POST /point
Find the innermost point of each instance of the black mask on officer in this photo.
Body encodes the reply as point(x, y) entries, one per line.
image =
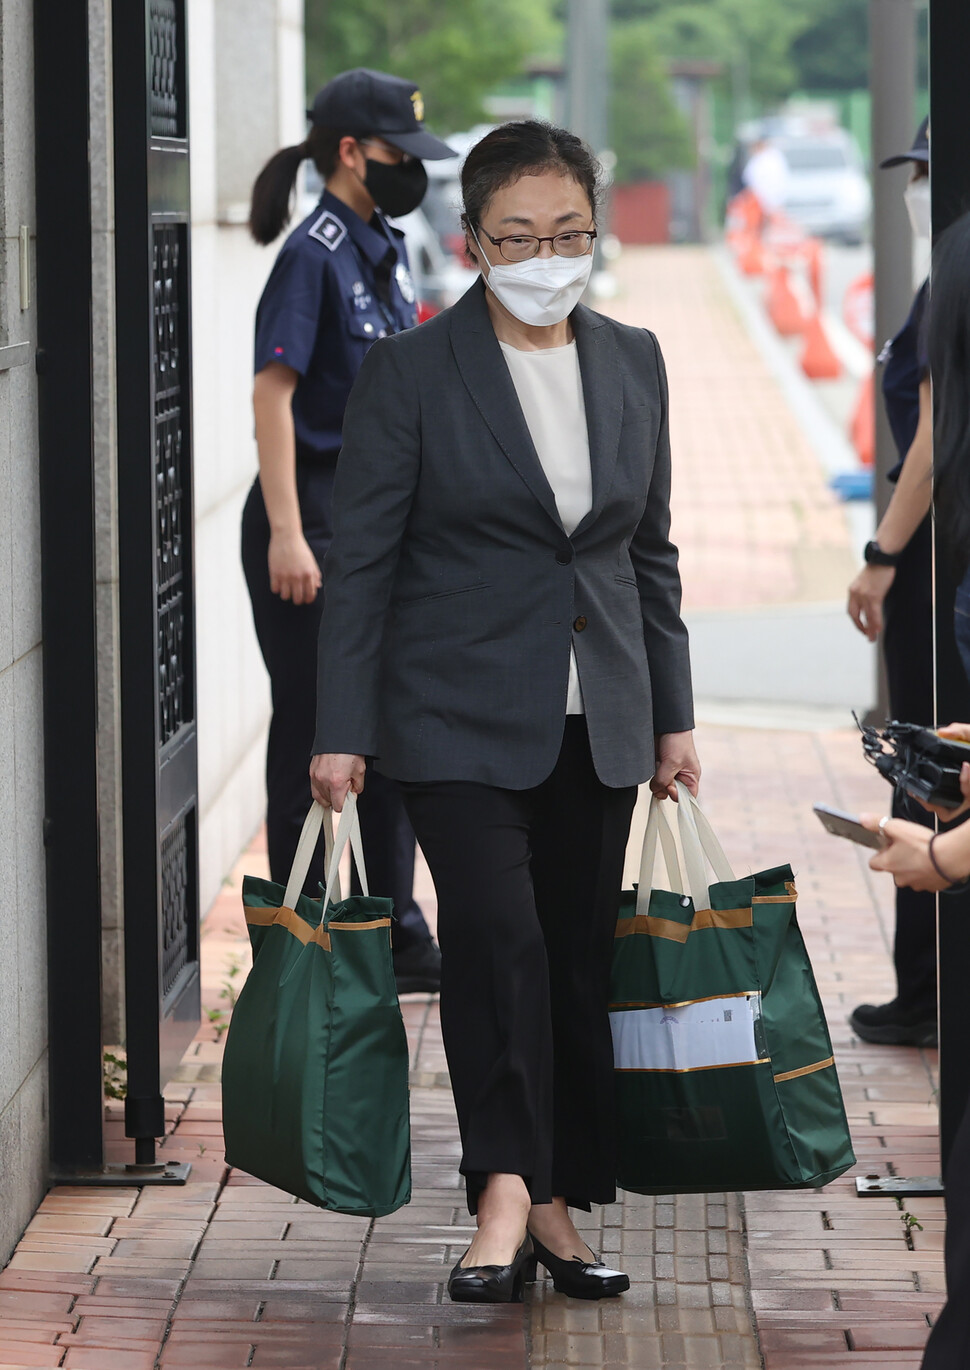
point(396, 188)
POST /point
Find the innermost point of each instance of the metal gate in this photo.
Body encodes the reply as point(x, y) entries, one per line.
point(156, 609)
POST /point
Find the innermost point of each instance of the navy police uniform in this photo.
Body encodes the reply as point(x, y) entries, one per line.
point(908, 647)
point(337, 286)
point(908, 652)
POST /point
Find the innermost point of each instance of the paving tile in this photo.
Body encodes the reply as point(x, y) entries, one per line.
point(27, 1357)
point(97, 1358)
point(23, 1259)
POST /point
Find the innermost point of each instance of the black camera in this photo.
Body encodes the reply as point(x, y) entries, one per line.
point(918, 761)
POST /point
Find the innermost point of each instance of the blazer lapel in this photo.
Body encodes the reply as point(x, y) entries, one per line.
point(488, 381)
point(603, 398)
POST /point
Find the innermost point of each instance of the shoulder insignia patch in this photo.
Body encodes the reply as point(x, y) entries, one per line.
point(328, 230)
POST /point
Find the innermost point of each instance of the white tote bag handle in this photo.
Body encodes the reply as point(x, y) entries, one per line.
point(304, 853)
point(306, 846)
point(701, 848)
point(657, 826)
point(348, 830)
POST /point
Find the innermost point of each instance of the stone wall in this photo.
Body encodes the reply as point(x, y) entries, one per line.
point(246, 100)
point(23, 967)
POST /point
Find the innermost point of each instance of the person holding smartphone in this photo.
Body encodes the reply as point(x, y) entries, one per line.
point(919, 859)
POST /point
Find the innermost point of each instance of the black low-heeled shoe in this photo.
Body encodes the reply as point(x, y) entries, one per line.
point(576, 1278)
point(491, 1283)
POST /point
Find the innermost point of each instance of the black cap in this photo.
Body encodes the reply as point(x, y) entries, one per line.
point(919, 152)
point(359, 102)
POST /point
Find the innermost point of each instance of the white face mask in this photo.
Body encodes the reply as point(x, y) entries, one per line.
point(541, 291)
point(917, 197)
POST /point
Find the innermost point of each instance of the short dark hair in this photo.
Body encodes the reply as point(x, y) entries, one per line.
point(524, 148)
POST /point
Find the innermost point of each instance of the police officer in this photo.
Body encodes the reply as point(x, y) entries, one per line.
point(894, 595)
point(340, 282)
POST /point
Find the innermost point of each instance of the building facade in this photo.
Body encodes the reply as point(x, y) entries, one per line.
point(243, 96)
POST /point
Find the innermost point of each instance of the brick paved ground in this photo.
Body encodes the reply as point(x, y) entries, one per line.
point(753, 516)
point(228, 1272)
point(836, 1281)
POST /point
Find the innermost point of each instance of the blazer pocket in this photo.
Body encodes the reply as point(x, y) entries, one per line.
point(441, 594)
point(636, 413)
point(626, 580)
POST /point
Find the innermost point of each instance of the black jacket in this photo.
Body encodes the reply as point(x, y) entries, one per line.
point(453, 593)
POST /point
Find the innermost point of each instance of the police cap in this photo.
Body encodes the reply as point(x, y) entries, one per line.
point(361, 102)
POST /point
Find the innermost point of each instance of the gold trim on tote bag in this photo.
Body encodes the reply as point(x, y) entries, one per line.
point(647, 924)
point(689, 1070)
point(360, 927)
point(287, 918)
point(804, 1070)
point(686, 1003)
point(788, 898)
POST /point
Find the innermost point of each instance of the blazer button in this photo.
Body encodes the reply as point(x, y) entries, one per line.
point(580, 624)
point(564, 557)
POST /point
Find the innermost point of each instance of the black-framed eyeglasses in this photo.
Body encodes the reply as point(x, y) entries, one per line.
point(520, 247)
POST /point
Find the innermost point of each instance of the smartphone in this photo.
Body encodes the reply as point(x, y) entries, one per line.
point(845, 825)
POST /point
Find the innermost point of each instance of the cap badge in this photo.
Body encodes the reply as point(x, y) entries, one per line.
point(417, 100)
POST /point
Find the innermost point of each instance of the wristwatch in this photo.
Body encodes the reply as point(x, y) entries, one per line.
point(875, 556)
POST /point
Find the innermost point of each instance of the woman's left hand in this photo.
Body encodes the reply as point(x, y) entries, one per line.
point(907, 853)
point(676, 760)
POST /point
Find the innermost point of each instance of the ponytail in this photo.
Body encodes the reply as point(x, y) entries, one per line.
point(270, 207)
point(273, 188)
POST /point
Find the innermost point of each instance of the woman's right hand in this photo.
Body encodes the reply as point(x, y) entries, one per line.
point(293, 570)
point(866, 595)
point(333, 775)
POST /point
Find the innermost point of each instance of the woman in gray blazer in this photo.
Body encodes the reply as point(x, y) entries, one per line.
point(502, 636)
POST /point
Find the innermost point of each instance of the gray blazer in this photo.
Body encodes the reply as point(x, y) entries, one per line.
point(452, 591)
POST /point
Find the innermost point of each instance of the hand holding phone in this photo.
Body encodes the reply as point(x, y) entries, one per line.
point(847, 825)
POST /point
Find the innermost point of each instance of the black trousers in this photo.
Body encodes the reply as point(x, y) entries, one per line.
point(287, 636)
point(528, 886)
point(949, 1345)
point(908, 650)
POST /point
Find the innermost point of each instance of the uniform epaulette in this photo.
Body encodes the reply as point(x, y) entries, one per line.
point(329, 230)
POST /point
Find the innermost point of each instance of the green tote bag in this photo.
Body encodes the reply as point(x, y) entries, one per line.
point(315, 1075)
point(725, 1078)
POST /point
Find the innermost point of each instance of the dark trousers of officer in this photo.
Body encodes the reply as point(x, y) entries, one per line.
point(949, 1345)
point(908, 649)
point(528, 886)
point(287, 635)
point(908, 643)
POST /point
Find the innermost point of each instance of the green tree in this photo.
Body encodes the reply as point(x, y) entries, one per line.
point(768, 43)
point(647, 131)
point(833, 51)
point(455, 53)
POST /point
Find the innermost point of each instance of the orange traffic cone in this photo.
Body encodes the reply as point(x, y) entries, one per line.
point(818, 360)
point(813, 257)
point(862, 429)
point(784, 310)
point(752, 256)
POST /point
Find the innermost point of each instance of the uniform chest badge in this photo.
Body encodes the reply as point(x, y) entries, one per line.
point(328, 230)
point(405, 282)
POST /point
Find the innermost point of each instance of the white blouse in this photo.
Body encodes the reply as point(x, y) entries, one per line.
point(550, 390)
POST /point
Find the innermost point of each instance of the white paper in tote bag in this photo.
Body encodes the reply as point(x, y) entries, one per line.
point(695, 1036)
